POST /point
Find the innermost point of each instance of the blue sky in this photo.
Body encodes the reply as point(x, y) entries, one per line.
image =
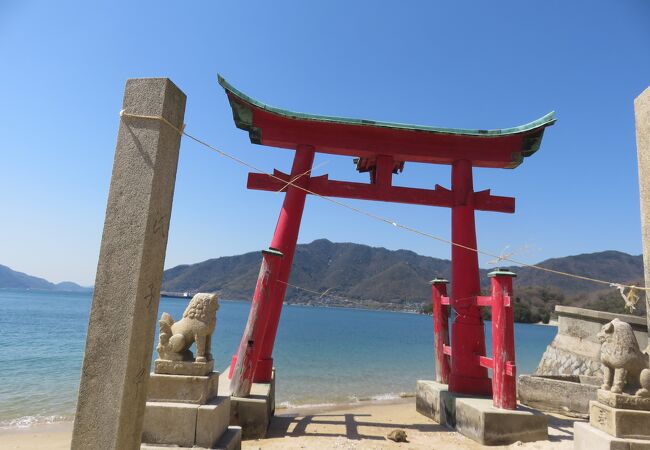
point(453, 64)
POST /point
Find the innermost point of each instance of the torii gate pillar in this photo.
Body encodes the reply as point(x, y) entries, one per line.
point(284, 240)
point(467, 332)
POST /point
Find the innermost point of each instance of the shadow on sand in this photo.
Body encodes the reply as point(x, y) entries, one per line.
point(296, 425)
point(563, 427)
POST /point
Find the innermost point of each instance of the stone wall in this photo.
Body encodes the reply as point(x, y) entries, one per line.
point(574, 351)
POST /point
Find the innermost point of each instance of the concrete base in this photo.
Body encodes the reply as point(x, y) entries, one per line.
point(586, 437)
point(253, 414)
point(182, 389)
point(565, 394)
point(186, 424)
point(620, 423)
point(623, 401)
point(477, 419)
point(231, 440)
point(190, 368)
point(434, 401)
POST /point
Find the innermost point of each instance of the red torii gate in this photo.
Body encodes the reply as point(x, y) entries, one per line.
point(381, 149)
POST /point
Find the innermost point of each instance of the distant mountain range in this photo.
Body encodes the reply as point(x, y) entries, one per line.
point(11, 279)
point(369, 277)
point(380, 278)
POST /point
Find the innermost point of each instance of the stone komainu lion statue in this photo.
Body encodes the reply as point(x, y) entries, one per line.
point(197, 325)
point(622, 359)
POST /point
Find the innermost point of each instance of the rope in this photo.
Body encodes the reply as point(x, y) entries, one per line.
point(376, 217)
point(325, 293)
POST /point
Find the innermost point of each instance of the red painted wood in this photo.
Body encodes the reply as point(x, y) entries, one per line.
point(242, 371)
point(402, 144)
point(468, 339)
point(284, 240)
point(444, 300)
point(503, 345)
point(322, 185)
point(483, 301)
point(486, 362)
point(446, 350)
point(440, 331)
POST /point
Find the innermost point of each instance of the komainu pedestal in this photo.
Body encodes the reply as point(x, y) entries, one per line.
point(620, 417)
point(184, 408)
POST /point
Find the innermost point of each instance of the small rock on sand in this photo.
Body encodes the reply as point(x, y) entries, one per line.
point(397, 435)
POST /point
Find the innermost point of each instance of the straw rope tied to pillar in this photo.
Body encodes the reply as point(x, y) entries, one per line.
point(630, 298)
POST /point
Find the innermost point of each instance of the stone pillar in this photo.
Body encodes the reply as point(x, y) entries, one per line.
point(642, 112)
point(113, 387)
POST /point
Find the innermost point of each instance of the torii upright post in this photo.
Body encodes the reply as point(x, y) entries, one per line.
point(285, 239)
point(467, 333)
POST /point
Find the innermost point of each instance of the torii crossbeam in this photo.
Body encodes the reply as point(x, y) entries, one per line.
point(381, 149)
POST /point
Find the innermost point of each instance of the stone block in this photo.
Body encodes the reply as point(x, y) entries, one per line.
point(182, 389)
point(479, 420)
point(434, 401)
point(231, 439)
point(170, 423)
point(621, 423)
point(623, 401)
point(566, 394)
point(212, 421)
point(191, 368)
point(253, 414)
point(586, 437)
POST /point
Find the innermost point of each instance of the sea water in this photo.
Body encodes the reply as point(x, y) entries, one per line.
point(322, 355)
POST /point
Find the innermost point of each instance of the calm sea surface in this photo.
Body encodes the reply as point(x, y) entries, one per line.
point(322, 355)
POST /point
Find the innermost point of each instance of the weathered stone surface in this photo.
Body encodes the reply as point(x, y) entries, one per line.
point(586, 437)
point(119, 342)
point(621, 357)
point(231, 440)
point(182, 389)
point(212, 421)
point(575, 349)
point(642, 120)
point(566, 394)
point(433, 400)
point(622, 423)
point(477, 419)
point(197, 325)
point(163, 366)
point(253, 413)
point(623, 401)
point(170, 423)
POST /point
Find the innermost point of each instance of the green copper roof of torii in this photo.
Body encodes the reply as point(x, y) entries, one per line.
point(547, 120)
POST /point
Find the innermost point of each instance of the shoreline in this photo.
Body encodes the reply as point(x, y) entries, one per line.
point(65, 424)
point(363, 425)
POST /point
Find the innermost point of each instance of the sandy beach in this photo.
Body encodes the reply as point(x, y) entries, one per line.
point(362, 426)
